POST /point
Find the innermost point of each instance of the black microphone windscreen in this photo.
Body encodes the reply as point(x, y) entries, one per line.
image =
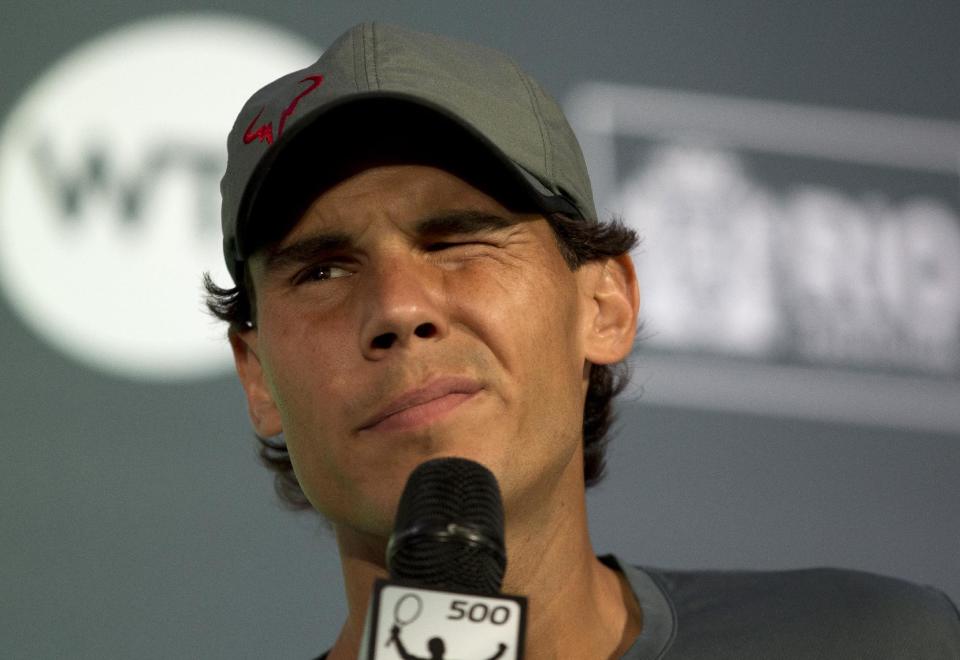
point(449, 528)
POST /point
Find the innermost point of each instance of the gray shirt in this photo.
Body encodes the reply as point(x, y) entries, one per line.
point(810, 613)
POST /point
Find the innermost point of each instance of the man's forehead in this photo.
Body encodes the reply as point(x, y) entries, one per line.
point(421, 202)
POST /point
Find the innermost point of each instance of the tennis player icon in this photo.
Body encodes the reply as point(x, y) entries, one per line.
point(405, 612)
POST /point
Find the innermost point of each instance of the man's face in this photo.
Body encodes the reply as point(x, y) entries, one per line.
point(406, 316)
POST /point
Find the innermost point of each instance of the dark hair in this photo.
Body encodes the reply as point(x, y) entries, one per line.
point(579, 241)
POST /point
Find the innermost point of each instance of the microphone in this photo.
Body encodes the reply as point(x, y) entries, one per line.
point(446, 559)
point(449, 528)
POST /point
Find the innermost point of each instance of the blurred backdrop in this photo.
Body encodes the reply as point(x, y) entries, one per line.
point(793, 169)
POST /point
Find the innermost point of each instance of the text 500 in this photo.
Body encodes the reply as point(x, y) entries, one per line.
point(478, 612)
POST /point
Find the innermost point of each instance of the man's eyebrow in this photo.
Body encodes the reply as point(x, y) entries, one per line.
point(306, 250)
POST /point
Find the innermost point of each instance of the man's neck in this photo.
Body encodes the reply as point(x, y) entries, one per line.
point(577, 607)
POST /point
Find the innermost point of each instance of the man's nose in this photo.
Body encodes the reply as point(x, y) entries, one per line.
point(403, 304)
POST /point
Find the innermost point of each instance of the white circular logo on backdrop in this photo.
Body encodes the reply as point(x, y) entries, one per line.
point(109, 197)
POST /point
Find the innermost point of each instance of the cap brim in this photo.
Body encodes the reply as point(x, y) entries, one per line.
point(326, 132)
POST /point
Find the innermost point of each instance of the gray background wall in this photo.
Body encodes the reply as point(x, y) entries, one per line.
point(136, 522)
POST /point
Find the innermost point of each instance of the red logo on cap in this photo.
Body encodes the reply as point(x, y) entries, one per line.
point(264, 133)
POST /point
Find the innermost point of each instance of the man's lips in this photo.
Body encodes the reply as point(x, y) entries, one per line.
point(423, 405)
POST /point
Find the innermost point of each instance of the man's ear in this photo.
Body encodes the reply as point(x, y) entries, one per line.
point(260, 404)
point(615, 304)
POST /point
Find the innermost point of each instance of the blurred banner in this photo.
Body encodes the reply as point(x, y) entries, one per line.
point(816, 249)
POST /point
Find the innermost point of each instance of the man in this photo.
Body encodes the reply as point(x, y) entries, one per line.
point(421, 273)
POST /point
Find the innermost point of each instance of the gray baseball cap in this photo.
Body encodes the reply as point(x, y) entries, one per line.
point(480, 90)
